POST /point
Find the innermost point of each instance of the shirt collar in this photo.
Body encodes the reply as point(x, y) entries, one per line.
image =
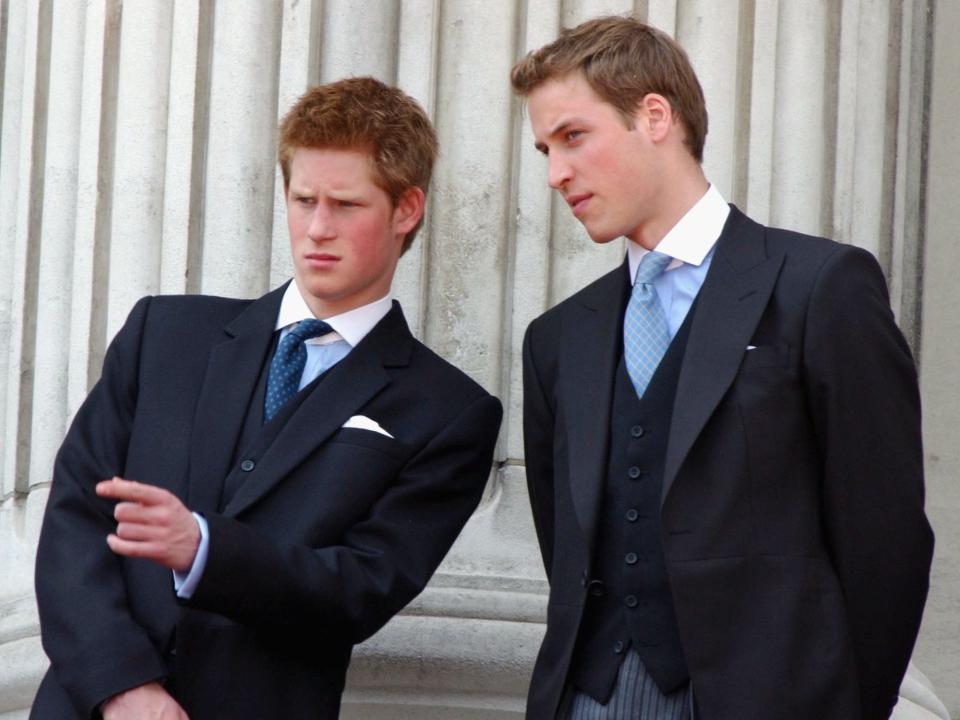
point(351, 326)
point(694, 235)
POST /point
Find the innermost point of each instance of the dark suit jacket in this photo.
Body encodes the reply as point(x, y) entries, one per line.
point(792, 509)
point(330, 533)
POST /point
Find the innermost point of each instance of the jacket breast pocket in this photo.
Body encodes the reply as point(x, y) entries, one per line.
point(371, 440)
point(768, 382)
point(766, 356)
point(338, 486)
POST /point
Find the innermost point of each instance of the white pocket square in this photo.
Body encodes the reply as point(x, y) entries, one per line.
point(362, 422)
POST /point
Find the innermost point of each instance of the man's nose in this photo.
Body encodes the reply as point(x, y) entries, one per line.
point(321, 224)
point(559, 172)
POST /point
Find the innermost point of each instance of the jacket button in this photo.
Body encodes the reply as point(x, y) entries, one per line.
point(633, 473)
point(618, 647)
point(630, 601)
point(636, 431)
point(632, 515)
point(247, 465)
point(630, 558)
point(597, 588)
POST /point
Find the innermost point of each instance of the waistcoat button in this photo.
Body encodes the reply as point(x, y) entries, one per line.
point(636, 431)
point(247, 465)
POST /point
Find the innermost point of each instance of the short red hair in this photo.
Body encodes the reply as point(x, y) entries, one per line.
point(367, 115)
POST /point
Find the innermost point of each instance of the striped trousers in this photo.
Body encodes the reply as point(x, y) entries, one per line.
point(635, 696)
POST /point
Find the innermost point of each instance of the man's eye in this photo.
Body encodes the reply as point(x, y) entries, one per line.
point(572, 135)
point(346, 203)
point(302, 200)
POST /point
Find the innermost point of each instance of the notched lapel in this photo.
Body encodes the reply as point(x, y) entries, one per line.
point(588, 363)
point(731, 303)
point(231, 378)
point(350, 384)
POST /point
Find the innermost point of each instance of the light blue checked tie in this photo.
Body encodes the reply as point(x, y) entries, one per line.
point(645, 332)
point(287, 365)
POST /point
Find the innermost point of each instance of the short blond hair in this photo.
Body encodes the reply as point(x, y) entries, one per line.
point(623, 60)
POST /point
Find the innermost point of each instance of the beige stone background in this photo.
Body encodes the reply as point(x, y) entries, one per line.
point(136, 156)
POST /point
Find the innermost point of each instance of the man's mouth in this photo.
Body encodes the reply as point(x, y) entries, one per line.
point(321, 260)
point(578, 203)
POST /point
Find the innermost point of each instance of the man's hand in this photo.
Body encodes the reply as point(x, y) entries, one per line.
point(144, 702)
point(152, 523)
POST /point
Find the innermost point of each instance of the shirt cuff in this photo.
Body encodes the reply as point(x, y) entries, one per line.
point(186, 583)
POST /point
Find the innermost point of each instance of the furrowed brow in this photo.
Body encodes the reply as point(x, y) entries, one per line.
point(558, 130)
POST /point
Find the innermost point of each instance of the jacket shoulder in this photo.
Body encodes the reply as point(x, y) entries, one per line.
point(806, 255)
point(599, 292)
point(188, 307)
point(444, 374)
point(191, 315)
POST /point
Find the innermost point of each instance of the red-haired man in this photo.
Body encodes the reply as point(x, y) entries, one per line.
point(300, 462)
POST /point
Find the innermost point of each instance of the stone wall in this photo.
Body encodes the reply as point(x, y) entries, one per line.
point(938, 649)
point(137, 156)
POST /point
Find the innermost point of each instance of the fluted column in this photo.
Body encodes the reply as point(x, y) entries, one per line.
point(240, 148)
point(56, 246)
point(137, 155)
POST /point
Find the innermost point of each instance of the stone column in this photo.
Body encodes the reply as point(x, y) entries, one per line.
point(137, 156)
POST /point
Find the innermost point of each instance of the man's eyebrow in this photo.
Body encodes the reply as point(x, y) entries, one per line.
point(560, 127)
point(556, 130)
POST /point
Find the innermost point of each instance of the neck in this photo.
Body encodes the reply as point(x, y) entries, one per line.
point(680, 193)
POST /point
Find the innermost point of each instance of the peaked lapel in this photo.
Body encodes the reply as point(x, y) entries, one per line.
point(349, 385)
point(588, 363)
point(232, 372)
point(731, 303)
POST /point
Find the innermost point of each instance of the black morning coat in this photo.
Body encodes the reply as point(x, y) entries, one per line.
point(791, 515)
point(329, 533)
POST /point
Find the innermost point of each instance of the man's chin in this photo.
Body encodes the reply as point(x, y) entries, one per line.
point(600, 237)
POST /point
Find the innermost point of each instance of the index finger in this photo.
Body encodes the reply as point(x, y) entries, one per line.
point(120, 489)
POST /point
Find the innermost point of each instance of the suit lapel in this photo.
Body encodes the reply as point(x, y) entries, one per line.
point(232, 373)
point(589, 359)
point(350, 385)
point(731, 303)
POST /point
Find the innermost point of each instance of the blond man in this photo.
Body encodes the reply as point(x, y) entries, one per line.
point(722, 434)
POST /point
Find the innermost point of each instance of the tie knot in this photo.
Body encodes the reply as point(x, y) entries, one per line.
point(651, 266)
point(306, 329)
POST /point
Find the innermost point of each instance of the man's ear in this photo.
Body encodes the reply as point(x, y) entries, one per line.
point(655, 115)
point(408, 210)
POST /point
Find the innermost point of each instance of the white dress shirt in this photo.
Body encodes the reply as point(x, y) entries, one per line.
point(690, 243)
point(325, 351)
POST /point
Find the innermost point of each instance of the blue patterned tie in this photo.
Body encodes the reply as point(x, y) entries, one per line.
point(287, 365)
point(645, 332)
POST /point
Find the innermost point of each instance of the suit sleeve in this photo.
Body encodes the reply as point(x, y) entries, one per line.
point(864, 400)
point(345, 593)
point(95, 645)
point(538, 428)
